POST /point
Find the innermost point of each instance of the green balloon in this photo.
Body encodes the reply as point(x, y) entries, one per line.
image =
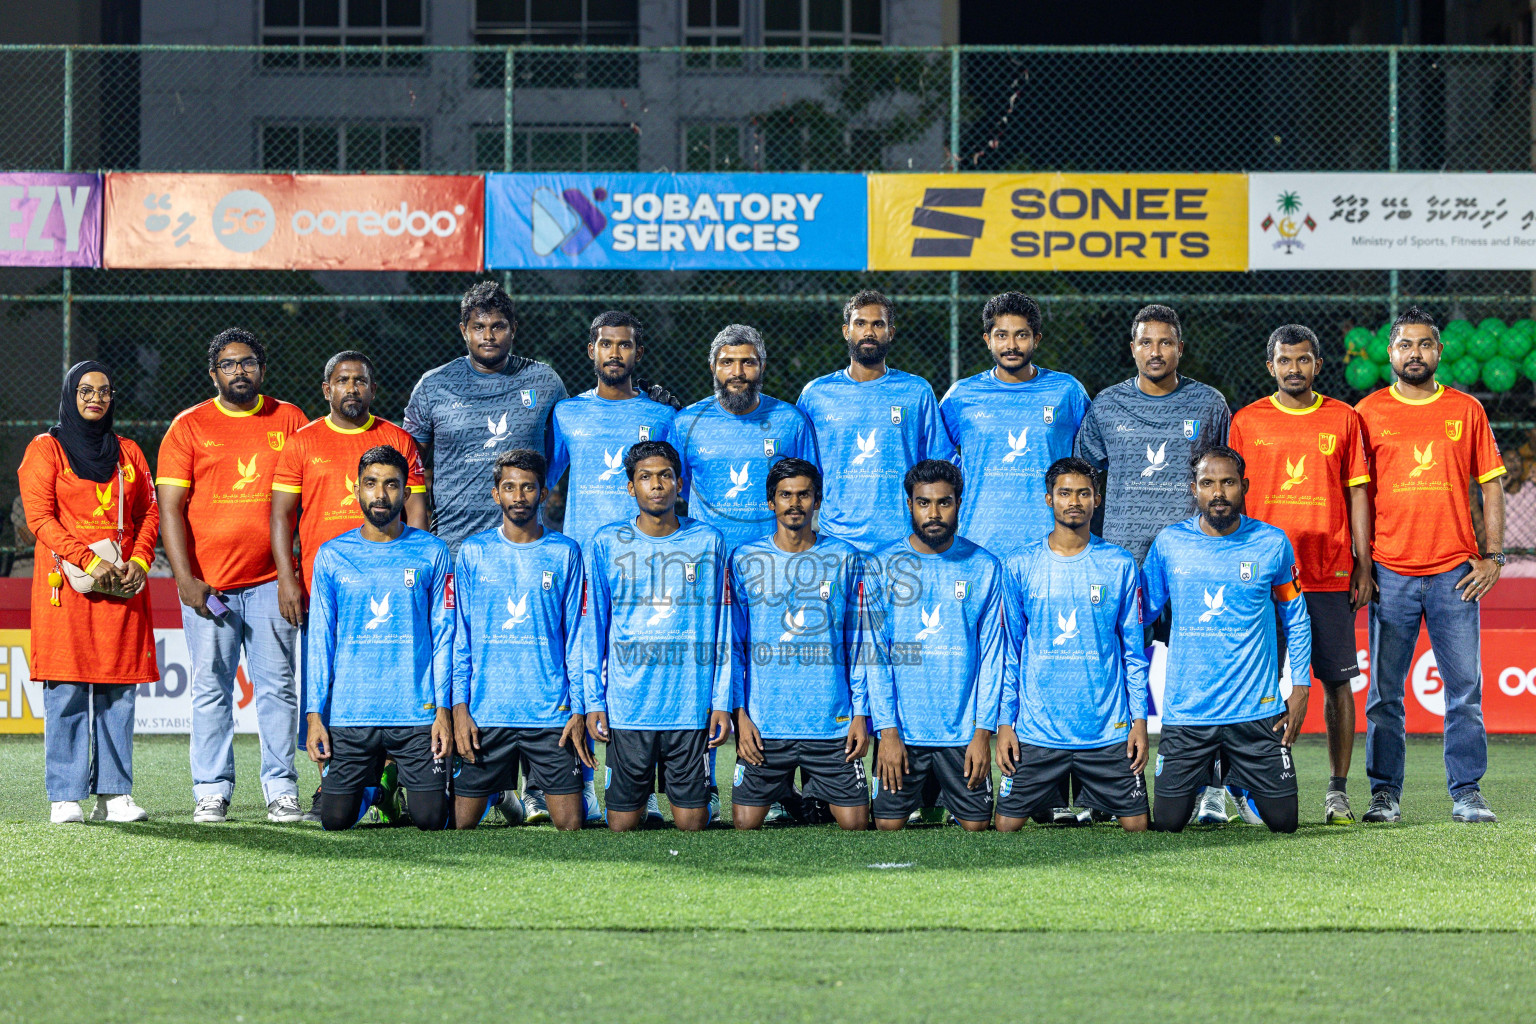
point(1362, 374)
point(1500, 374)
point(1455, 348)
point(1465, 371)
point(1529, 366)
point(1384, 332)
point(1458, 328)
point(1483, 345)
point(1525, 324)
point(1515, 344)
point(1387, 376)
point(1376, 351)
point(1492, 325)
point(1358, 339)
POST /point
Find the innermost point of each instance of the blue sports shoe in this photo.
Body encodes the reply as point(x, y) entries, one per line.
point(589, 804)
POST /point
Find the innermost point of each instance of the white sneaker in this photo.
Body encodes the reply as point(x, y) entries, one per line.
point(211, 810)
point(118, 808)
point(66, 811)
point(1212, 808)
point(285, 809)
point(594, 813)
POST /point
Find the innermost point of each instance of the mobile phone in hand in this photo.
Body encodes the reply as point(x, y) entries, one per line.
point(216, 606)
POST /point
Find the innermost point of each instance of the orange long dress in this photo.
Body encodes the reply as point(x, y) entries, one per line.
point(88, 638)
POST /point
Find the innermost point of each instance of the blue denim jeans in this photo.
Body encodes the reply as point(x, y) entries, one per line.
point(255, 626)
point(1401, 603)
point(87, 739)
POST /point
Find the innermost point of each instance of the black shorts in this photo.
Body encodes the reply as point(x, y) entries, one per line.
point(551, 767)
point(824, 774)
point(947, 764)
point(634, 755)
point(1105, 781)
point(358, 753)
point(1334, 657)
point(1250, 752)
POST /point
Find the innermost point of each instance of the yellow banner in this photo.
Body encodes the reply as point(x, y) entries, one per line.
point(21, 699)
point(1058, 222)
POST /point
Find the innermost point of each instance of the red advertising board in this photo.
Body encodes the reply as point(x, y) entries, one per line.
point(295, 221)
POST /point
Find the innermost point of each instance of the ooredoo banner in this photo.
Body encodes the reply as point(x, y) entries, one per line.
point(50, 220)
point(676, 221)
point(295, 221)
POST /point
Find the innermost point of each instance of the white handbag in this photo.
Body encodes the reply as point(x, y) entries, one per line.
point(109, 550)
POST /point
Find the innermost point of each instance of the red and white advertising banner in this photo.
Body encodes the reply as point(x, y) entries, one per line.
point(295, 221)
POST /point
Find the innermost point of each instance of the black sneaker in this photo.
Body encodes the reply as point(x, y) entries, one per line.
point(1384, 809)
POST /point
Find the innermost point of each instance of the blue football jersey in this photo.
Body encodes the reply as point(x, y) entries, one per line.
point(591, 437)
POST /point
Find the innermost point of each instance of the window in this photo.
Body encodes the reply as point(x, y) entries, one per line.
point(717, 24)
point(341, 147)
point(712, 147)
point(559, 23)
point(808, 23)
point(560, 147)
point(366, 24)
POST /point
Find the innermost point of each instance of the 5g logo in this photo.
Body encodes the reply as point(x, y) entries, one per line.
point(1514, 681)
point(243, 221)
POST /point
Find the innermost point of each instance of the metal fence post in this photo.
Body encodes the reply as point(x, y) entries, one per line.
point(67, 163)
point(954, 155)
point(1393, 281)
point(506, 112)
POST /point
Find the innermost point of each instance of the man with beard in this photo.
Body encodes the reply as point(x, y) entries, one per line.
point(1011, 423)
point(934, 607)
point(380, 657)
point(1075, 676)
point(728, 442)
point(1426, 446)
point(873, 423)
point(517, 661)
point(798, 685)
point(215, 492)
point(1307, 475)
point(1230, 582)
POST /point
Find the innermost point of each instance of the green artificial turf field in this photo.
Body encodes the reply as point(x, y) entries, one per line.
point(249, 921)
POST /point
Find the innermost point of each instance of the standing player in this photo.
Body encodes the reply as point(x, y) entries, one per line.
point(798, 685)
point(1224, 575)
point(381, 656)
point(657, 666)
point(872, 422)
point(1011, 423)
point(1075, 676)
point(1307, 475)
point(1427, 445)
point(466, 412)
point(1144, 431)
point(728, 442)
point(934, 602)
point(516, 660)
point(216, 466)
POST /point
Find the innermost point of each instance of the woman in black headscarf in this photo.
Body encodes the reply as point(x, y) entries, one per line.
point(85, 488)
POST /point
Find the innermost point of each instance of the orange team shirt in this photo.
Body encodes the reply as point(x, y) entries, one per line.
point(88, 638)
point(1300, 464)
point(1424, 455)
point(319, 463)
point(225, 458)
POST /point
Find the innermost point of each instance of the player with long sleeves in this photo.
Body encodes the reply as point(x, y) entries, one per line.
point(934, 606)
point(1224, 575)
point(381, 656)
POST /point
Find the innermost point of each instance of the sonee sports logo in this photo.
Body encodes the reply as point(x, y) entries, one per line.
point(966, 229)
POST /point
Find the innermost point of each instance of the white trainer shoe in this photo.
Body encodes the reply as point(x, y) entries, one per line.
point(118, 808)
point(64, 812)
point(285, 809)
point(1212, 808)
point(211, 810)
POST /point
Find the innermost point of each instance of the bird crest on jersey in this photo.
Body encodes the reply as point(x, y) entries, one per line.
point(1245, 571)
point(1326, 443)
point(1067, 624)
point(1214, 606)
point(1017, 445)
point(739, 480)
point(1453, 429)
point(1156, 460)
point(662, 609)
point(350, 498)
point(614, 461)
point(895, 415)
point(549, 579)
point(1425, 460)
point(867, 449)
point(530, 397)
point(103, 500)
point(931, 624)
point(498, 431)
point(380, 612)
point(1191, 429)
point(1295, 472)
point(794, 624)
point(247, 471)
point(1095, 593)
point(517, 612)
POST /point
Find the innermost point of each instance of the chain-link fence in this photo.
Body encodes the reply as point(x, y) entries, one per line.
point(440, 110)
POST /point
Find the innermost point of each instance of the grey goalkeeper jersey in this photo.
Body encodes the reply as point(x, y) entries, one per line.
point(468, 418)
point(1146, 442)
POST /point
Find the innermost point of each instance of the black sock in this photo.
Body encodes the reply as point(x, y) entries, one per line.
point(1336, 783)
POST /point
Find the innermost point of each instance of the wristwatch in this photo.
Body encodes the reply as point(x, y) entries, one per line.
point(1497, 557)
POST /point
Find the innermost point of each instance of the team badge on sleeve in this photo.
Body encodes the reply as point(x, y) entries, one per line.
point(410, 578)
point(962, 589)
point(691, 571)
point(826, 590)
point(530, 397)
point(1245, 571)
point(645, 432)
point(770, 447)
point(1453, 429)
point(896, 415)
point(1049, 413)
point(1326, 443)
point(1192, 429)
point(549, 579)
point(1095, 593)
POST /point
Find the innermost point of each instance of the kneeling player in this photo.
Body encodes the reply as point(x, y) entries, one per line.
point(797, 683)
point(657, 647)
point(934, 603)
point(380, 656)
point(1223, 574)
point(517, 660)
point(1075, 675)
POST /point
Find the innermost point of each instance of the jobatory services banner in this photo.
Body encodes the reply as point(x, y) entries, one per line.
point(1057, 221)
point(1392, 221)
point(676, 221)
point(50, 220)
point(295, 222)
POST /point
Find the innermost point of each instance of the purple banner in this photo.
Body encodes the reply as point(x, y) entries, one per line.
point(50, 220)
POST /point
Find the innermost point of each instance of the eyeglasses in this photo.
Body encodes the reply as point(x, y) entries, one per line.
point(250, 364)
point(87, 393)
